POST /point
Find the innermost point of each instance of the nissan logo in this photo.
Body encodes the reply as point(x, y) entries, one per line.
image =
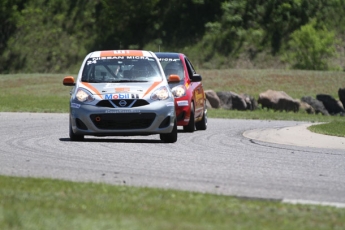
point(122, 103)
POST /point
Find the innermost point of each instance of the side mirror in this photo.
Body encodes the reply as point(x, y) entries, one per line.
point(68, 81)
point(174, 78)
point(196, 77)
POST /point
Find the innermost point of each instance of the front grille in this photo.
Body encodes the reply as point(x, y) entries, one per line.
point(123, 120)
point(129, 103)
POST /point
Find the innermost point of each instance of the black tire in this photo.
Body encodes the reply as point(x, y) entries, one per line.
point(191, 125)
point(202, 125)
point(170, 137)
point(73, 136)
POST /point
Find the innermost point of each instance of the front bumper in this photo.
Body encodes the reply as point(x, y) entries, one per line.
point(182, 112)
point(155, 118)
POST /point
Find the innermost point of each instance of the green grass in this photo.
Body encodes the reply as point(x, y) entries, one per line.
point(54, 204)
point(27, 203)
point(261, 114)
point(33, 93)
point(296, 83)
point(333, 128)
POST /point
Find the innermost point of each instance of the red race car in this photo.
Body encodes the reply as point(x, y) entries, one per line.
point(190, 99)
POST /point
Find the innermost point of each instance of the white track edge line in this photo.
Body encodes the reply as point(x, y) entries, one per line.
point(333, 204)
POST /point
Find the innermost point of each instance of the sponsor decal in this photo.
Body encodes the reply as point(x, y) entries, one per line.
point(110, 53)
point(123, 111)
point(124, 89)
point(124, 57)
point(138, 57)
point(121, 96)
point(199, 96)
point(168, 104)
point(168, 59)
point(91, 62)
point(75, 105)
point(182, 103)
point(121, 51)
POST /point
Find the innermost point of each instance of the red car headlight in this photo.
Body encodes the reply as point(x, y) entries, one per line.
point(179, 91)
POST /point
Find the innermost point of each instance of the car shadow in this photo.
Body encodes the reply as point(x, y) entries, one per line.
point(122, 140)
point(115, 140)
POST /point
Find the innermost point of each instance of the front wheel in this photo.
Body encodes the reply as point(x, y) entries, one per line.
point(170, 137)
point(191, 125)
point(73, 136)
point(202, 125)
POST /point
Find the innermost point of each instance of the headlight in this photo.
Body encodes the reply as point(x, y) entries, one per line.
point(84, 95)
point(160, 94)
point(179, 91)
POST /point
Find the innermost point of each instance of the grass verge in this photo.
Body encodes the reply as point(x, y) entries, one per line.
point(333, 128)
point(27, 203)
point(55, 204)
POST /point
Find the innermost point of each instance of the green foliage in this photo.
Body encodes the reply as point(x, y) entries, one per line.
point(310, 47)
point(9, 10)
point(54, 35)
point(50, 36)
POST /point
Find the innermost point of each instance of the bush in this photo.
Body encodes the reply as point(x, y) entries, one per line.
point(310, 48)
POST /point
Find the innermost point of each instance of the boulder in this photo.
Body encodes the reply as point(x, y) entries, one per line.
point(212, 98)
point(341, 94)
point(252, 104)
point(331, 104)
point(231, 100)
point(278, 100)
point(316, 104)
point(306, 107)
point(208, 104)
point(225, 99)
point(238, 102)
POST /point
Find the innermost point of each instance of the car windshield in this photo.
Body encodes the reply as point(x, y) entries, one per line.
point(121, 69)
point(172, 66)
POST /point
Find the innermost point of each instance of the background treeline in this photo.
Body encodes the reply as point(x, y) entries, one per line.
point(55, 35)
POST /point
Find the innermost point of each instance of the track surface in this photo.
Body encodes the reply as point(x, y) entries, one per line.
point(219, 160)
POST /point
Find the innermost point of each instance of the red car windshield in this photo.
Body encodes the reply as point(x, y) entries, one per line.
point(172, 66)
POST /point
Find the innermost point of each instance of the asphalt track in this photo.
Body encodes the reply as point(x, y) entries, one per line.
point(232, 157)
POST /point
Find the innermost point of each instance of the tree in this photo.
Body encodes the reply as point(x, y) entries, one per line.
point(50, 36)
point(310, 47)
point(9, 11)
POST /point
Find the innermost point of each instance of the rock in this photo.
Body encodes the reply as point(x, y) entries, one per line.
point(316, 104)
point(278, 100)
point(252, 104)
point(331, 105)
point(225, 100)
point(208, 104)
point(212, 98)
point(238, 102)
point(341, 94)
point(306, 107)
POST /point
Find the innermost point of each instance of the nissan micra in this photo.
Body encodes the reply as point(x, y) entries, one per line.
point(121, 93)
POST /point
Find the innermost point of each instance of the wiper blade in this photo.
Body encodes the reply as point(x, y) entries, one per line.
point(93, 81)
point(128, 81)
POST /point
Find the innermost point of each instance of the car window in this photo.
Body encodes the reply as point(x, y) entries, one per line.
point(114, 69)
point(190, 67)
point(172, 66)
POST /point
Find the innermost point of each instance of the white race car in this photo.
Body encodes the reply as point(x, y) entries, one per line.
point(121, 93)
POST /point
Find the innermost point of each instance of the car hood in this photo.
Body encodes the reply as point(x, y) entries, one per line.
point(122, 90)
